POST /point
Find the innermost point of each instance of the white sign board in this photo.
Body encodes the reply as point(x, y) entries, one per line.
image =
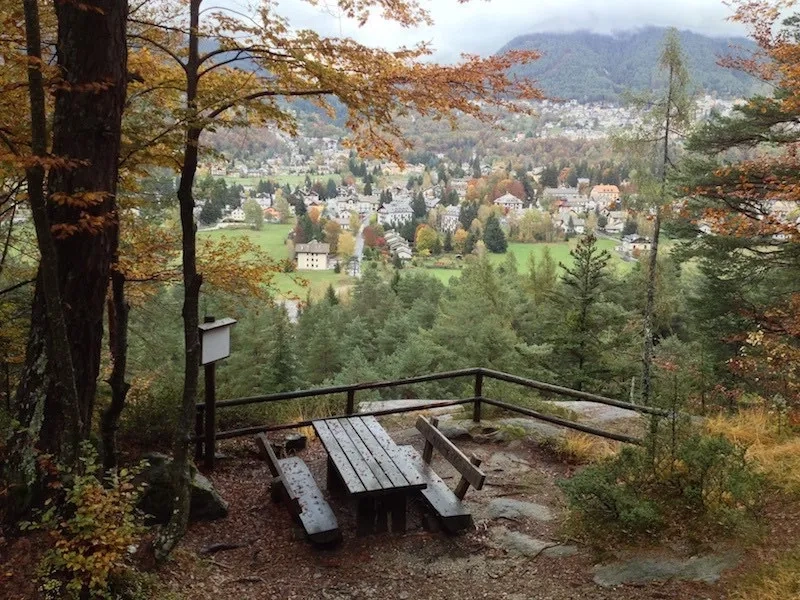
point(215, 340)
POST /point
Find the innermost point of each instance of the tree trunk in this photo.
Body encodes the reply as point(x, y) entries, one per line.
point(92, 59)
point(53, 336)
point(169, 537)
point(649, 309)
point(118, 309)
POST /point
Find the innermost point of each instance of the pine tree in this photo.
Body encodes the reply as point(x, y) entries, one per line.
point(368, 188)
point(418, 206)
point(584, 282)
point(448, 242)
point(330, 295)
point(493, 236)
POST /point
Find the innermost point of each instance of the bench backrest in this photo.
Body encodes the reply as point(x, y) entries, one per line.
point(467, 467)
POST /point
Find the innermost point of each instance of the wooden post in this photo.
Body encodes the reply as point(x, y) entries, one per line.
point(351, 402)
point(476, 406)
point(199, 432)
point(463, 485)
point(427, 451)
point(210, 412)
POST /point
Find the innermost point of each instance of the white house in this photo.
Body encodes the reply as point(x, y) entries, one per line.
point(509, 202)
point(561, 193)
point(237, 214)
point(395, 213)
point(312, 256)
point(450, 218)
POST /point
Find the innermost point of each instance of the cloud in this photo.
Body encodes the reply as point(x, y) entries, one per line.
point(482, 27)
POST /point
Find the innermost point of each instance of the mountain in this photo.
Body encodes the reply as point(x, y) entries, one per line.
point(592, 67)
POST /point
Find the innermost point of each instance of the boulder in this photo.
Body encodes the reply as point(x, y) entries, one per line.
point(515, 510)
point(157, 500)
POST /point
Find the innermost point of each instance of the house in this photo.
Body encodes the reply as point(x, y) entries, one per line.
point(634, 244)
point(509, 202)
point(605, 195)
point(312, 256)
point(237, 215)
point(272, 215)
point(395, 213)
point(567, 194)
point(451, 218)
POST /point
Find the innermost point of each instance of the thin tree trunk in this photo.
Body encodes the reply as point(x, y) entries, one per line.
point(92, 58)
point(170, 536)
point(118, 309)
point(649, 309)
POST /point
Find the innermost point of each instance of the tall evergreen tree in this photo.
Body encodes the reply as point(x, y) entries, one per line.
point(493, 236)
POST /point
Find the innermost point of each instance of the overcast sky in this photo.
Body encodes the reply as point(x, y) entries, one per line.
point(483, 27)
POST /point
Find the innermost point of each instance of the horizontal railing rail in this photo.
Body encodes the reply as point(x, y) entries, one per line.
point(206, 434)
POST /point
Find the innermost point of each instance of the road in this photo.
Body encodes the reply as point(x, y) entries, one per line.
point(354, 267)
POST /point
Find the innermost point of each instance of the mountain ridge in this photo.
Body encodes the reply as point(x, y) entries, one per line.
point(591, 67)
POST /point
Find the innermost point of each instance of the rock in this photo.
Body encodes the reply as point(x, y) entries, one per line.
point(519, 428)
point(156, 502)
point(509, 508)
point(454, 431)
point(707, 569)
point(294, 442)
point(517, 542)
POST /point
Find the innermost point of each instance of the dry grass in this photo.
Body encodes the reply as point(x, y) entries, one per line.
point(772, 446)
point(779, 581)
point(582, 448)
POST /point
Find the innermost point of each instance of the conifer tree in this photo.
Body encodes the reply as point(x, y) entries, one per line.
point(493, 236)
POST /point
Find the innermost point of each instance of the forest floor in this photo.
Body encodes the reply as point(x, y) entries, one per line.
point(519, 549)
point(522, 545)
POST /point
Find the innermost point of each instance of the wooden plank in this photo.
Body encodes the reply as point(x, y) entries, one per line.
point(269, 454)
point(316, 516)
point(463, 484)
point(415, 480)
point(378, 451)
point(427, 451)
point(348, 475)
point(454, 456)
point(365, 453)
point(368, 480)
point(452, 512)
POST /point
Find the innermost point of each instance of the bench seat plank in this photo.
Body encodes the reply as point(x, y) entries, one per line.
point(295, 485)
point(315, 515)
point(452, 512)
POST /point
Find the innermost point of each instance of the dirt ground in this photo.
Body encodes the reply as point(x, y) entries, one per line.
point(275, 561)
point(494, 559)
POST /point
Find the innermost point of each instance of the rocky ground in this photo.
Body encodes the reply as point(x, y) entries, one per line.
point(518, 548)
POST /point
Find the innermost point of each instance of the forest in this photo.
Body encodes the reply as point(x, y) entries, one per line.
point(106, 113)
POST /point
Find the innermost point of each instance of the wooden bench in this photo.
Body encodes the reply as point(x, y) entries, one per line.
point(293, 483)
point(448, 505)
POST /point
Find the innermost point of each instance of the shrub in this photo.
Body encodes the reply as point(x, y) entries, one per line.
point(94, 529)
point(701, 476)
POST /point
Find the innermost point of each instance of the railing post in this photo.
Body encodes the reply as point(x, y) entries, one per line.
point(199, 429)
point(476, 406)
point(351, 402)
point(210, 376)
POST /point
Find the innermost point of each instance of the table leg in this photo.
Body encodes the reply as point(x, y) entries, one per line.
point(398, 507)
point(365, 516)
point(334, 481)
point(383, 507)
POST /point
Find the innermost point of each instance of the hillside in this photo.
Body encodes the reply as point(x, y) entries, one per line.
point(592, 67)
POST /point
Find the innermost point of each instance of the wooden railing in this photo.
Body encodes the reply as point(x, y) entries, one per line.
point(206, 434)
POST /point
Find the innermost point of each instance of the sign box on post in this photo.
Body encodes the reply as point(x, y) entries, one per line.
point(215, 340)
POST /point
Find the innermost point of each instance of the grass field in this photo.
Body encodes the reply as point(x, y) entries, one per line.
point(290, 178)
point(272, 240)
point(560, 251)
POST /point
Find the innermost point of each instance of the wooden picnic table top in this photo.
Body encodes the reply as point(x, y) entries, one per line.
point(368, 460)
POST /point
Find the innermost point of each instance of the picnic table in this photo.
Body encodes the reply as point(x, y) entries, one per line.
point(366, 463)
